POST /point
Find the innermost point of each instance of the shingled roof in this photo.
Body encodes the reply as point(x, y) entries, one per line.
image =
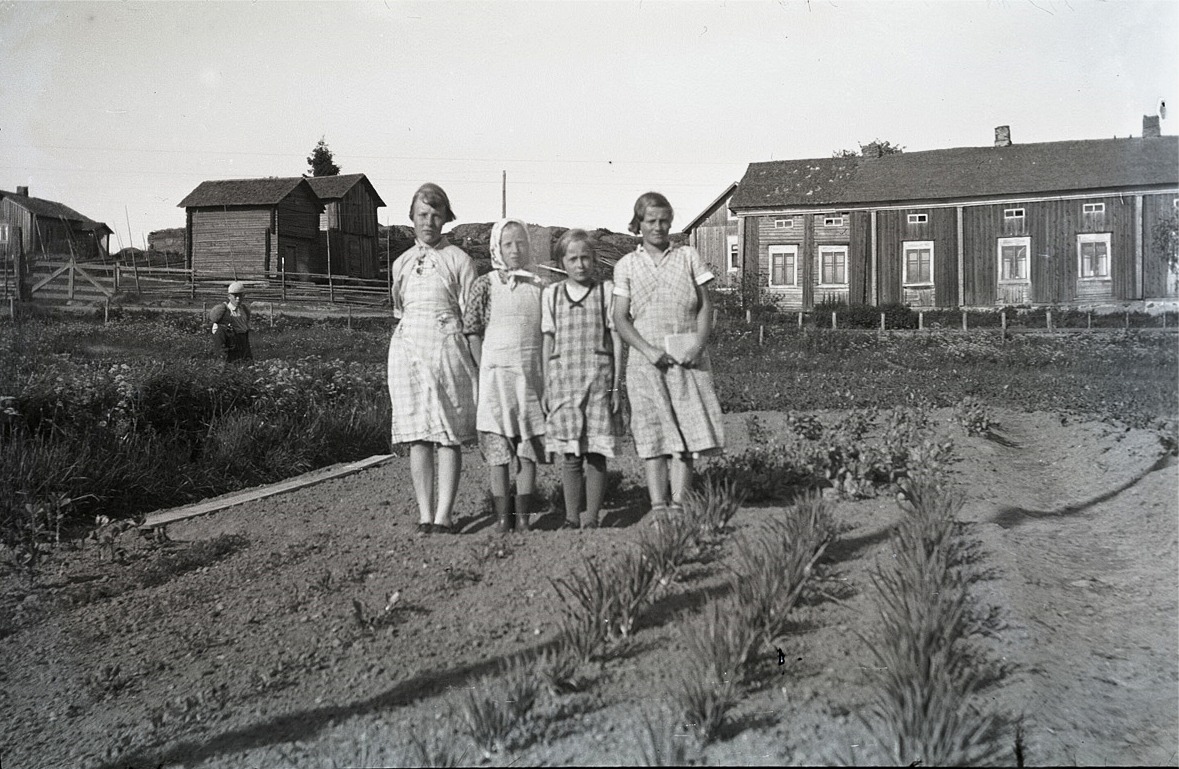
point(962, 173)
point(242, 192)
point(336, 187)
point(53, 210)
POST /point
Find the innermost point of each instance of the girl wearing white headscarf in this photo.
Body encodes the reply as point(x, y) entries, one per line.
point(505, 311)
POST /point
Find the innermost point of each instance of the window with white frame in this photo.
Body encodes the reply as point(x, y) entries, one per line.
point(833, 265)
point(917, 266)
point(1013, 213)
point(833, 221)
point(1014, 265)
point(783, 266)
point(3, 233)
point(734, 255)
point(918, 218)
point(1093, 256)
point(784, 224)
point(1093, 208)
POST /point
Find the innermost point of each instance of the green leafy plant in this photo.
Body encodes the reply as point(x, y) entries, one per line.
point(974, 416)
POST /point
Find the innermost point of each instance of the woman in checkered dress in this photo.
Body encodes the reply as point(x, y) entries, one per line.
point(663, 311)
point(433, 367)
point(583, 363)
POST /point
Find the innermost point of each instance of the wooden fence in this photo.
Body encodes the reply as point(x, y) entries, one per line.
point(92, 282)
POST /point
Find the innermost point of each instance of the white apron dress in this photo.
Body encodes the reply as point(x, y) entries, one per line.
point(510, 374)
point(432, 375)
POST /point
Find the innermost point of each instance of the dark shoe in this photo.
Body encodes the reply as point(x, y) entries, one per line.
point(425, 528)
point(444, 528)
point(502, 517)
point(523, 508)
point(568, 524)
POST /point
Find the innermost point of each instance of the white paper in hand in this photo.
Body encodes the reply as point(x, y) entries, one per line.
point(678, 345)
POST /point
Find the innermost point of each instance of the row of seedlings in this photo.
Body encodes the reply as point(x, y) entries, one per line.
point(928, 668)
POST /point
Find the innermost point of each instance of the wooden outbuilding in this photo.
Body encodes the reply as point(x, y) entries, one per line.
point(46, 229)
point(1047, 223)
point(713, 233)
point(252, 228)
point(348, 225)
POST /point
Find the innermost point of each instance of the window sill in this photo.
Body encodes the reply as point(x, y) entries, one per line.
point(1097, 279)
point(916, 286)
point(831, 285)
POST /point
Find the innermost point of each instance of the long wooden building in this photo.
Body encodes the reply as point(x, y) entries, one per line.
point(40, 228)
point(1047, 223)
point(252, 227)
point(713, 233)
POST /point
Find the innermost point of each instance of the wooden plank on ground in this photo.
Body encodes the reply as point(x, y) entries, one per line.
point(164, 517)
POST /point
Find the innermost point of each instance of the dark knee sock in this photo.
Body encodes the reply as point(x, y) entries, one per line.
point(595, 484)
point(573, 484)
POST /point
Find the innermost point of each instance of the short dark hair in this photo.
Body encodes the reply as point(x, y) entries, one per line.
point(645, 201)
point(433, 196)
point(570, 237)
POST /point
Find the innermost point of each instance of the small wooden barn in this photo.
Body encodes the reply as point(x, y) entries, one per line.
point(1047, 223)
point(347, 226)
point(251, 228)
point(713, 233)
point(43, 228)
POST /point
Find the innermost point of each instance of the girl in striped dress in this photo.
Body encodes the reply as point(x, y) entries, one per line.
point(505, 311)
point(583, 363)
point(663, 311)
point(432, 365)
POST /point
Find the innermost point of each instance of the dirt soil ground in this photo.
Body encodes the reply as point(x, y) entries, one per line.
point(256, 658)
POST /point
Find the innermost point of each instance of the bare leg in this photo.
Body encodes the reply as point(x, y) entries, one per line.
point(499, 480)
point(526, 476)
point(657, 481)
point(421, 470)
point(681, 477)
point(450, 465)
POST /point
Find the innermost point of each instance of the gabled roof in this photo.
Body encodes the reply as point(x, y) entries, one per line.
point(336, 187)
point(243, 192)
point(963, 173)
point(52, 210)
point(707, 212)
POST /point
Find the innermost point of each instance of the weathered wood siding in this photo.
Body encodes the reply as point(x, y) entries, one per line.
point(788, 297)
point(230, 241)
point(18, 218)
point(298, 231)
point(859, 259)
point(1157, 278)
point(894, 230)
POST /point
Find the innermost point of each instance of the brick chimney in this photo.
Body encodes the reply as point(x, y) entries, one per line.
point(1150, 127)
point(22, 191)
point(1003, 136)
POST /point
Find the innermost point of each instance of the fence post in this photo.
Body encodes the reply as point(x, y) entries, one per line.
point(834, 321)
point(12, 307)
point(349, 317)
point(800, 318)
point(106, 313)
point(1050, 320)
point(272, 314)
point(714, 316)
point(1089, 320)
point(1127, 319)
point(1164, 318)
point(964, 328)
point(748, 317)
point(70, 273)
point(761, 335)
point(882, 321)
point(920, 320)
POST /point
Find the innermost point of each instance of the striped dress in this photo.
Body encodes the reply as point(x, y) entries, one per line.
point(674, 411)
point(580, 372)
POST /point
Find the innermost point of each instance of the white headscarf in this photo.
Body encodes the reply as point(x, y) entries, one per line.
point(497, 257)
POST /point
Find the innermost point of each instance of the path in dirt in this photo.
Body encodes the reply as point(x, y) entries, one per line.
point(256, 659)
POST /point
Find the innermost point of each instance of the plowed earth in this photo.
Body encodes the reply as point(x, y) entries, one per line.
point(256, 656)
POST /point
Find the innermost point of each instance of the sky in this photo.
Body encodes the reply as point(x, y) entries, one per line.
point(120, 109)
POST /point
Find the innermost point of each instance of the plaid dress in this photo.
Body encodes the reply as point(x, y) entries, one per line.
point(580, 373)
point(674, 411)
point(432, 376)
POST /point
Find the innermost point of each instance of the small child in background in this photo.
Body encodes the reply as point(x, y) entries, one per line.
point(663, 311)
point(505, 310)
point(583, 364)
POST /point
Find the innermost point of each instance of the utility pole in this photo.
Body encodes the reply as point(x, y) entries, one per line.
point(504, 208)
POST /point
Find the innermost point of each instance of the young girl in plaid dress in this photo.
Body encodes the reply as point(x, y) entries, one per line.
point(663, 311)
point(505, 311)
point(583, 363)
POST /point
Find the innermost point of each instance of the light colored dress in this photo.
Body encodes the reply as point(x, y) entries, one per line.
point(432, 375)
point(507, 311)
point(580, 371)
point(674, 411)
